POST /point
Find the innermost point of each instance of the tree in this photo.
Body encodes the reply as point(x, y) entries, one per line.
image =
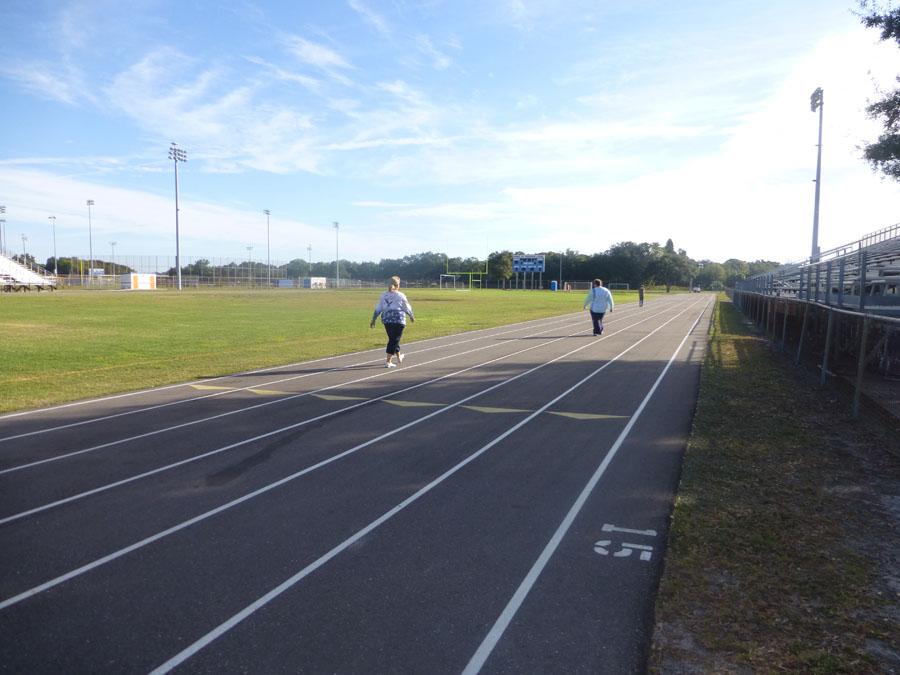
point(884, 154)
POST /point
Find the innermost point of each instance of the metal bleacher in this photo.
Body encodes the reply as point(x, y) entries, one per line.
point(17, 277)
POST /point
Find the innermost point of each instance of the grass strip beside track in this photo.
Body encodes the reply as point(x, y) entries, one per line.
point(781, 544)
point(64, 346)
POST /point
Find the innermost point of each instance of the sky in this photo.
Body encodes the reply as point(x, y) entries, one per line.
point(454, 126)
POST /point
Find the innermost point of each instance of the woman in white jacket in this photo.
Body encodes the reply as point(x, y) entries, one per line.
point(393, 308)
point(600, 301)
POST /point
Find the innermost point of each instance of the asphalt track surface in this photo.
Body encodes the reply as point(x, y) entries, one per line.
point(499, 503)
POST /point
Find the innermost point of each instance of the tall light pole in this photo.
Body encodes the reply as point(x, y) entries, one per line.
point(2, 231)
point(90, 203)
point(250, 265)
point(24, 254)
point(268, 258)
point(817, 102)
point(52, 220)
point(112, 245)
point(337, 257)
point(176, 154)
point(561, 256)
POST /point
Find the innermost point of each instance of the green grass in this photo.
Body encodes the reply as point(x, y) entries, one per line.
point(62, 346)
point(773, 556)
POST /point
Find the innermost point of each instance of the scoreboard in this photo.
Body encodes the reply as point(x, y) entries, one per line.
point(528, 263)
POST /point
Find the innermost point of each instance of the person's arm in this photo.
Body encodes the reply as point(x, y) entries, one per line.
point(408, 309)
point(378, 309)
point(587, 299)
point(612, 303)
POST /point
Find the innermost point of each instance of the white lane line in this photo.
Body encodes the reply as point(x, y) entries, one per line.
point(523, 326)
point(152, 472)
point(230, 623)
point(256, 406)
point(208, 514)
point(232, 390)
point(506, 616)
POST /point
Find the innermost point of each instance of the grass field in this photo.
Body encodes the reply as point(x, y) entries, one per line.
point(781, 553)
point(68, 345)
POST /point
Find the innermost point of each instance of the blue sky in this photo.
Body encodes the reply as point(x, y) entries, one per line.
point(457, 126)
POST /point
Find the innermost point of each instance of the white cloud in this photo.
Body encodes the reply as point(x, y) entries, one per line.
point(316, 55)
point(378, 22)
point(439, 60)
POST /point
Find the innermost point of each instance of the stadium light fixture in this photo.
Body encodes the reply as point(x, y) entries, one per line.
point(52, 220)
point(176, 154)
point(90, 203)
point(268, 251)
point(817, 102)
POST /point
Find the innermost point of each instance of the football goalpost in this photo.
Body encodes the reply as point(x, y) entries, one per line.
point(618, 286)
point(448, 281)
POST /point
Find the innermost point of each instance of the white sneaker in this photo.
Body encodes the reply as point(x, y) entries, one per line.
point(400, 357)
point(390, 365)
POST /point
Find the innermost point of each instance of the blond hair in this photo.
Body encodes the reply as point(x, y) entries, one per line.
point(394, 283)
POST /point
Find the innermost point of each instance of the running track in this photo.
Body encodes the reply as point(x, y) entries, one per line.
point(499, 503)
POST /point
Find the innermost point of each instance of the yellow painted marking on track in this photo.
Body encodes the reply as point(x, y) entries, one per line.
point(492, 411)
point(415, 404)
point(335, 397)
point(588, 416)
point(209, 387)
point(268, 392)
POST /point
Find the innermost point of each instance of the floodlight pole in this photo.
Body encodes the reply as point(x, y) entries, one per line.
point(112, 245)
point(176, 154)
point(268, 259)
point(337, 257)
point(817, 102)
point(250, 265)
point(2, 231)
point(52, 220)
point(90, 203)
point(24, 253)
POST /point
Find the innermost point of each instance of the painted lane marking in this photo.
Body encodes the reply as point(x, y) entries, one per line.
point(499, 628)
point(493, 411)
point(335, 397)
point(230, 623)
point(208, 514)
point(269, 392)
point(210, 387)
point(612, 528)
point(587, 416)
point(413, 404)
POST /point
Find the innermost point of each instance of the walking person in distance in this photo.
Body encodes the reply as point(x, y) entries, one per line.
point(393, 308)
point(641, 296)
point(600, 301)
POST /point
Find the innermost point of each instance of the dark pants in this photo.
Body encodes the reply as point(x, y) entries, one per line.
point(394, 331)
point(597, 318)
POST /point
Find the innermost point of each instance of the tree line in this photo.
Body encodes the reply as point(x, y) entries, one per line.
point(625, 262)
